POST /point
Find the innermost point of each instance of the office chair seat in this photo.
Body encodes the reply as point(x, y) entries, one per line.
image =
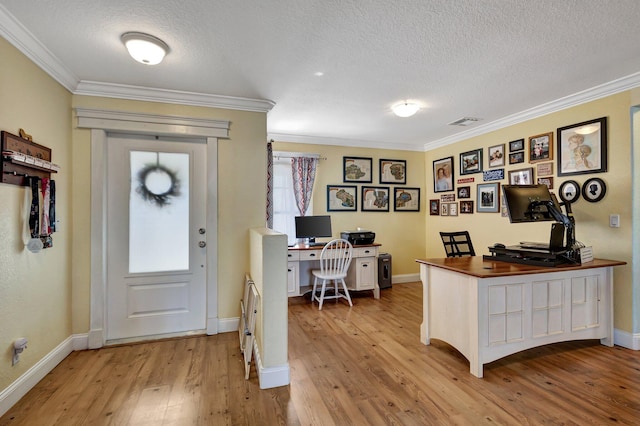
point(457, 244)
point(334, 263)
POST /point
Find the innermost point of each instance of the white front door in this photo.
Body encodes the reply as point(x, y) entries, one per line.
point(156, 236)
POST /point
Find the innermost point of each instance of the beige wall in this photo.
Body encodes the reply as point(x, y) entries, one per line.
point(35, 289)
point(592, 219)
point(400, 233)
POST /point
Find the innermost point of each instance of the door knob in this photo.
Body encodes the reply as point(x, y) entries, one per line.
point(202, 244)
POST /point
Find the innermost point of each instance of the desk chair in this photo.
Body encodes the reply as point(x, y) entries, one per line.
point(457, 244)
point(334, 263)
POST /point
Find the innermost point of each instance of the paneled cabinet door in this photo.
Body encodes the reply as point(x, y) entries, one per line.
point(292, 279)
point(362, 274)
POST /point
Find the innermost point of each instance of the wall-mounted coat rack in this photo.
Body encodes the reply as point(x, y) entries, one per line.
point(23, 158)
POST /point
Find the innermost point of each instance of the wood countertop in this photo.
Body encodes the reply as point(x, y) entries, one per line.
point(479, 267)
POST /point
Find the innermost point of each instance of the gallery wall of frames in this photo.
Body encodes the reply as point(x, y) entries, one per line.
point(360, 191)
point(578, 150)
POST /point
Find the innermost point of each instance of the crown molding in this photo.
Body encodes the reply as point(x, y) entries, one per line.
point(22, 39)
point(124, 91)
point(607, 89)
point(355, 143)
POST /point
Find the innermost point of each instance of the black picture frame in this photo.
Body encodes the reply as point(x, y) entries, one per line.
point(374, 198)
point(357, 169)
point(516, 157)
point(569, 191)
point(464, 192)
point(471, 162)
point(443, 175)
point(434, 207)
point(342, 198)
point(466, 206)
point(594, 190)
point(582, 148)
point(406, 199)
point(517, 145)
point(393, 171)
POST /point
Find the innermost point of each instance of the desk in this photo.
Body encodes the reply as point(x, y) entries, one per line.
point(490, 309)
point(362, 273)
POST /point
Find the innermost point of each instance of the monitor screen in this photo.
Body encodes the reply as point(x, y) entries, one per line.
point(313, 227)
point(519, 197)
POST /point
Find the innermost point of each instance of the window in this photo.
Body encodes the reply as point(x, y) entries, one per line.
point(284, 204)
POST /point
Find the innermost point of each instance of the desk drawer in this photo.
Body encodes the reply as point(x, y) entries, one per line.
point(310, 254)
point(293, 255)
point(365, 252)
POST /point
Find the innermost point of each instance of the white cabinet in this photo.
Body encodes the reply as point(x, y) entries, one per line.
point(362, 273)
point(293, 279)
point(487, 315)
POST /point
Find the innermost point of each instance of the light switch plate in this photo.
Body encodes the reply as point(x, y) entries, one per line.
point(614, 220)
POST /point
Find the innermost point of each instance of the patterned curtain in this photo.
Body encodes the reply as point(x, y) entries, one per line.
point(269, 185)
point(304, 174)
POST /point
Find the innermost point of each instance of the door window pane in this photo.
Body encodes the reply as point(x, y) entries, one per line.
point(159, 212)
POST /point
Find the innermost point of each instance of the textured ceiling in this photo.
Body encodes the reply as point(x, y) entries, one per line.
point(492, 59)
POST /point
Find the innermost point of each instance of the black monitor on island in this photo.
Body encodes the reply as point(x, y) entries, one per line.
point(535, 203)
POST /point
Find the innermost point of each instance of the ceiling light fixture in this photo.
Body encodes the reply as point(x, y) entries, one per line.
point(145, 48)
point(405, 109)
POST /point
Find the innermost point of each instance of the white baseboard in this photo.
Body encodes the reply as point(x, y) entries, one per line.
point(227, 325)
point(271, 377)
point(24, 383)
point(626, 339)
point(406, 278)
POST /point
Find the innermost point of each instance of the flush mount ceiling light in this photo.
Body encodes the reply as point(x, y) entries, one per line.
point(405, 109)
point(145, 48)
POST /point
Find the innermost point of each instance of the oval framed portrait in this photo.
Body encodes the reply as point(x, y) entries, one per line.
point(569, 191)
point(594, 190)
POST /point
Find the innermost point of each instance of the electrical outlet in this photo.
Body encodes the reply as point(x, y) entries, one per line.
point(15, 359)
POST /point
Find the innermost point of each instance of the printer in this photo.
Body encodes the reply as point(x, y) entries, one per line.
point(358, 237)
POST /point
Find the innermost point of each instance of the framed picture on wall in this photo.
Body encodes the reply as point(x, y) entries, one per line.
point(443, 175)
point(521, 176)
point(582, 148)
point(466, 206)
point(496, 156)
point(375, 199)
point(516, 157)
point(342, 198)
point(471, 162)
point(434, 207)
point(393, 171)
point(357, 169)
point(517, 145)
point(406, 199)
point(541, 147)
point(488, 198)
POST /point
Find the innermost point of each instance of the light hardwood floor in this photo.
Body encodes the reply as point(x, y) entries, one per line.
point(358, 366)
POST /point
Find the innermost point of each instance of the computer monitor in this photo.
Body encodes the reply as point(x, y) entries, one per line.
point(529, 203)
point(313, 227)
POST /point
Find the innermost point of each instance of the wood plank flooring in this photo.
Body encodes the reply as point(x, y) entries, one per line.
point(359, 366)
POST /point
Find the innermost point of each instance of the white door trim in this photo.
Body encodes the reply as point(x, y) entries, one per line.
point(102, 121)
